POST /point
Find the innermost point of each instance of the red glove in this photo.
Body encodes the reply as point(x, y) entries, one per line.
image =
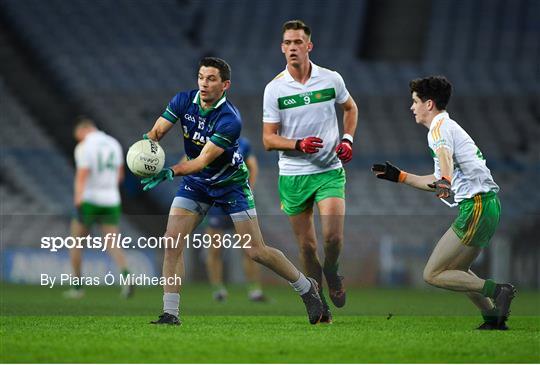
point(309, 144)
point(344, 150)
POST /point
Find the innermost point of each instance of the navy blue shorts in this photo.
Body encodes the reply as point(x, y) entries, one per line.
point(218, 219)
point(230, 199)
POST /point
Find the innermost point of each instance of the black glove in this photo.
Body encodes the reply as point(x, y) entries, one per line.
point(442, 188)
point(388, 172)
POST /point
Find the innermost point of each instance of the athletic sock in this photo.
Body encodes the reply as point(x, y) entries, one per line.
point(302, 285)
point(171, 303)
point(330, 268)
point(489, 289)
point(125, 273)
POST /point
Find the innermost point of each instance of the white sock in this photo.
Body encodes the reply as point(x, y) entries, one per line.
point(171, 303)
point(302, 285)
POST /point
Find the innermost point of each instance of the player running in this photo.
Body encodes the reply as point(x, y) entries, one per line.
point(461, 172)
point(218, 223)
point(214, 174)
point(300, 121)
point(99, 171)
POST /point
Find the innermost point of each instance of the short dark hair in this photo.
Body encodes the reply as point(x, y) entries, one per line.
point(83, 121)
point(296, 25)
point(221, 65)
point(436, 88)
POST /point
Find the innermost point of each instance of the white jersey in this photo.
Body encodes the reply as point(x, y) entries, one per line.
point(102, 154)
point(305, 111)
point(471, 175)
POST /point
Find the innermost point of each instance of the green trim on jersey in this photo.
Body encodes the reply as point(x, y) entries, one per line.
point(167, 114)
point(204, 112)
point(238, 177)
point(222, 141)
point(89, 213)
point(478, 219)
point(298, 192)
point(249, 195)
point(309, 97)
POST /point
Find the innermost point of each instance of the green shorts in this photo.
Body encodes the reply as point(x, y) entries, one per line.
point(297, 193)
point(89, 213)
point(478, 219)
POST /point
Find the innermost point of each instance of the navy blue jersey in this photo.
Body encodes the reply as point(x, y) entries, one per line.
point(220, 124)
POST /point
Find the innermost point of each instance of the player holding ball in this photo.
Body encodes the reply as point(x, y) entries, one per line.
point(214, 174)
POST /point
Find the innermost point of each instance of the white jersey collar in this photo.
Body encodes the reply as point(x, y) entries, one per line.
point(314, 72)
point(438, 117)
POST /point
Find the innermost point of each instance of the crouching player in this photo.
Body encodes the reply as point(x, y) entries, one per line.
point(214, 174)
point(460, 171)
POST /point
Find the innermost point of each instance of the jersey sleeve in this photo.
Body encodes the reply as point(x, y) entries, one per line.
point(270, 106)
point(342, 94)
point(176, 107)
point(82, 159)
point(441, 136)
point(227, 132)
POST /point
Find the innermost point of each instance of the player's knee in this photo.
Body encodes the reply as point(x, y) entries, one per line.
point(333, 239)
point(308, 249)
point(214, 253)
point(430, 276)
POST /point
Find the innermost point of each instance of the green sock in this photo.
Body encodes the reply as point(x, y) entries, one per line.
point(330, 268)
point(77, 287)
point(125, 273)
point(489, 288)
point(491, 315)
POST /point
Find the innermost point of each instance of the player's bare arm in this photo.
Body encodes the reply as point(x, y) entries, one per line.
point(392, 173)
point(121, 174)
point(350, 116)
point(81, 176)
point(446, 163)
point(273, 141)
point(160, 128)
point(208, 154)
point(420, 181)
point(253, 168)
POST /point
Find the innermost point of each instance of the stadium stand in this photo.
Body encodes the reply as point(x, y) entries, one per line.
point(125, 59)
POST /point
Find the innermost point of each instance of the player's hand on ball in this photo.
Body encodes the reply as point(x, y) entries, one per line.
point(344, 150)
point(309, 144)
point(388, 172)
point(442, 188)
point(153, 181)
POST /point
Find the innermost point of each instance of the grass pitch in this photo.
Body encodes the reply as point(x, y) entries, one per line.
point(38, 325)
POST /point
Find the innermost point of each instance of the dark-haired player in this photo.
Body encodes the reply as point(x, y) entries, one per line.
point(214, 174)
point(461, 172)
